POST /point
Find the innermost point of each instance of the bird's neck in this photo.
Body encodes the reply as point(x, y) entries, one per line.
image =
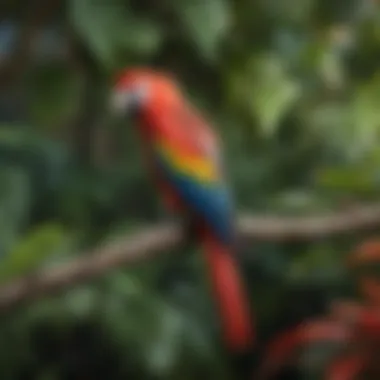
point(155, 119)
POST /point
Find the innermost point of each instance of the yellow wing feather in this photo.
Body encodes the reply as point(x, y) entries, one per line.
point(200, 168)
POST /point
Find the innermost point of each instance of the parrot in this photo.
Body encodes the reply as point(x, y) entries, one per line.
point(183, 155)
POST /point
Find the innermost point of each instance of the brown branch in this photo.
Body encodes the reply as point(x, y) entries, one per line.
point(152, 241)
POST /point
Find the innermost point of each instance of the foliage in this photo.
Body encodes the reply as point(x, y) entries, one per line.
point(344, 343)
point(292, 86)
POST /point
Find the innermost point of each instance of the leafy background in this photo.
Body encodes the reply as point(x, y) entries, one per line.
point(294, 88)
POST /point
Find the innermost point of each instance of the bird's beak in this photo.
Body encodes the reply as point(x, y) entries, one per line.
point(122, 102)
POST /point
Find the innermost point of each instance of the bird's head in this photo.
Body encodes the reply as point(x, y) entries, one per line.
point(139, 90)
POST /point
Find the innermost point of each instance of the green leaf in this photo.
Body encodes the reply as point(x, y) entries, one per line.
point(365, 115)
point(12, 136)
point(330, 68)
point(163, 351)
point(109, 28)
point(99, 24)
point(347, 179)
point(291, 11)
point(264, 90)
point(81, 301)
point(273, 93)
point(351, 126)
point(39, 244)
point(321, 263)
point(206, 22)
point(141, 37)
point(328, 120)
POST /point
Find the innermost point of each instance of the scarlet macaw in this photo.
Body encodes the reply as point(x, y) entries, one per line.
point(184, 156)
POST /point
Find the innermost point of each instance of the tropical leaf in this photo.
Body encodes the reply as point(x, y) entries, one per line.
point(28, 254)
point(265, 91)
point(109, 28)
point(99, 25)
point(205, 22)
point(365, 115)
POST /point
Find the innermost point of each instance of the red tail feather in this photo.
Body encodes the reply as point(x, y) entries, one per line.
point(229, 294)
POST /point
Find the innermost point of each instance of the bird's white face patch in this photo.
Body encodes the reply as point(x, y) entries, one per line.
point(130, 99)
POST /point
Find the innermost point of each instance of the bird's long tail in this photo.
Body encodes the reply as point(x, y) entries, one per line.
point(229, 294)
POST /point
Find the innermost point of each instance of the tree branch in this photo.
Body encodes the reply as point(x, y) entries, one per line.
point(154, 240)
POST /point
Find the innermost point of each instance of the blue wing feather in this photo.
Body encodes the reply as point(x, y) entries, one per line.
point(212, 202)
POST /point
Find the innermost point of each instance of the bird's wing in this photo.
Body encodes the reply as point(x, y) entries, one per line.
point(189, 160)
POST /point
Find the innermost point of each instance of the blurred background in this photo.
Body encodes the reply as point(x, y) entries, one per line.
point(293, 87)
